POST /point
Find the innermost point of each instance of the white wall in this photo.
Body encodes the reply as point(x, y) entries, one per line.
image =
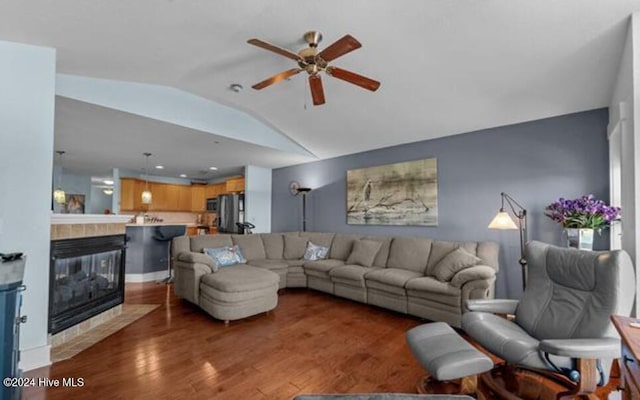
point(258, 197)
point(622, 116)
point(27, 79)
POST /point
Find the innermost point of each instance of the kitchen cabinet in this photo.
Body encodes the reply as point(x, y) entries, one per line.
point(184, 198)
point(198, 198)
point(210, 191)
point(158, 197)
point(215, 190)
point(168, 197)
point(235, 185)
point(131, 195)
point(126, 194)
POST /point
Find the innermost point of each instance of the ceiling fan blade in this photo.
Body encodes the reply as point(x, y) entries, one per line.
point(275, 49)
point(317, 92)
point(276, 78)
point(354, 78)
point(340, 47)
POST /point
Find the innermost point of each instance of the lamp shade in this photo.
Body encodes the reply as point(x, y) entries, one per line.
point(502, 220)
point(146, 197)
point(59, 196)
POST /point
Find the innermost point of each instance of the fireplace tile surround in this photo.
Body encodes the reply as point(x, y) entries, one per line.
point(69, 226)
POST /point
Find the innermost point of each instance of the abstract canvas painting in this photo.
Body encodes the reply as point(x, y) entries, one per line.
point(395, 194)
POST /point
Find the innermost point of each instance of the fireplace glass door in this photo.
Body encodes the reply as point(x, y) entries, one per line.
point(86, 279)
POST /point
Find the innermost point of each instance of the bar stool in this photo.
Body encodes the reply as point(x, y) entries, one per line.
point(166, 233)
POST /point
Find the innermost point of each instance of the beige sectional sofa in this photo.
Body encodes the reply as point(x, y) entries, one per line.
point(403, 274)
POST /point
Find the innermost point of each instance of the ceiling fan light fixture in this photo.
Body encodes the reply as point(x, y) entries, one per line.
point(314, 62)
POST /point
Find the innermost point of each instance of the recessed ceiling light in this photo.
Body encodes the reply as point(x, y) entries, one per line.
point(108, 192)
point(159, 167)
point(236, 87)
point(213, 168)
point(108, 182)
point(183, 175)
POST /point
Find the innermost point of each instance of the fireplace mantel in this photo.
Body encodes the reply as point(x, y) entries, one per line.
point(74, 219)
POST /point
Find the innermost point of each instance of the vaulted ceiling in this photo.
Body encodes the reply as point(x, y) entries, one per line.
point(446, 66)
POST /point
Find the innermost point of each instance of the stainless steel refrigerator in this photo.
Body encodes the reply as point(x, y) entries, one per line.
point(230, 211)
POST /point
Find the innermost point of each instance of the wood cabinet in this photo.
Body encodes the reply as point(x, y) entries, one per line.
point(198, 198)
point(168, 197)
point(131, 195)
point(630, 369)
point(184, 198)
point(192, 230)
point(215, 190)
point(235, 185)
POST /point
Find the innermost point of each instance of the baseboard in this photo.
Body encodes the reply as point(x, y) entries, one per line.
point(35, 357)
point(147, 277)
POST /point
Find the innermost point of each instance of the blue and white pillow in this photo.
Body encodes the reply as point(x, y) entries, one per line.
point(226, 256)
point(315, 252)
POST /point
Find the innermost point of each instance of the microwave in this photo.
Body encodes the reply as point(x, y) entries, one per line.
point(212, 204)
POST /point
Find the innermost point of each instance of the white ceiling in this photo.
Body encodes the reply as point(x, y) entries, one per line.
point(446, 66)
point(97, 139)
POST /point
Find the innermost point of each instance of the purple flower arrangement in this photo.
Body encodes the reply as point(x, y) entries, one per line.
point(583, 213)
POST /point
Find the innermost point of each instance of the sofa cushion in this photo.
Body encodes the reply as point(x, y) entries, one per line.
point(251, 246)
point(319, 238)
point(273, 245)
point(452, 263)
point(341, 246)
point(364, 252)
point(392, 276)
point(440, 249)
point(428, 284)
point(383, 253)
point(350, 272)
point(240, 278)
point(295, 263)
point(200, 242)
point(383, 287)
point(295, 269)
point(315, 252)
point(269, 264)
point(321, 268)
point(294, 247)
point(409, 253)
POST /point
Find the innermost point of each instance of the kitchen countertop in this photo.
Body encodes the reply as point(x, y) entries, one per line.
point(188, 224)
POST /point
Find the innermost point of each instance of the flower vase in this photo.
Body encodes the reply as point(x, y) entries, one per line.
point(581, 239)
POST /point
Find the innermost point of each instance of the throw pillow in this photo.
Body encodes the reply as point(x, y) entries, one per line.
point(294, 247)
point(225, 256)
point(315, 252)
point(452, 263)
point(364, 252)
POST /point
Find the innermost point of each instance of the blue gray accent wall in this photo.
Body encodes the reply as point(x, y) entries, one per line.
point(535, 162)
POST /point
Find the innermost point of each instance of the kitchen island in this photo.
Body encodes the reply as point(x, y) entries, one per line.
point(147, 257)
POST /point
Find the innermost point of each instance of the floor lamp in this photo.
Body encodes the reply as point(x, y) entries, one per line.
point(503, 221)
point(303, 192)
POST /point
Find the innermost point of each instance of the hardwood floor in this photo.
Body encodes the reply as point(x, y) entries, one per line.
point(311, 343)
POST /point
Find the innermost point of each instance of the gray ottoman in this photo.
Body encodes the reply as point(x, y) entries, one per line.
point(448, 358)
point(238, 292)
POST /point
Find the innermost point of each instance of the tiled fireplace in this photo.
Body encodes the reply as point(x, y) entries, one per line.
point(86, 278)
point(86, 274)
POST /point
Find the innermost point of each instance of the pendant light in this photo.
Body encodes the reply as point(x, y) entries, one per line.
point(58, 195)
point(146, 194)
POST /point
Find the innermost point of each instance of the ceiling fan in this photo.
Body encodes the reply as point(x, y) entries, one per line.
point(314, 62)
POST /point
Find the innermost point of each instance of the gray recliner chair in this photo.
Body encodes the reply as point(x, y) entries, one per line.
point(562, 323)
